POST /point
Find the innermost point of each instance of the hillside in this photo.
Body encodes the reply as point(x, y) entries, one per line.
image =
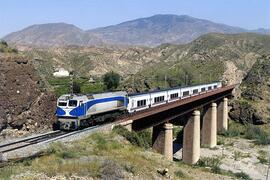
point(104, 156)
point(254, 106)
point(150, 31)
point(208, 58)
point(25, 105)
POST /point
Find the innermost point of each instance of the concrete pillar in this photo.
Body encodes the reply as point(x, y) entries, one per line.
point(162, 140)
point(209, 127)
point(191, 141)
point(158, 136)
point(168, 141)
point(222, 115)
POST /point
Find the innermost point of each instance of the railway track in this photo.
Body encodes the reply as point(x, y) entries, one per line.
point(29, 141)
point(42, 138)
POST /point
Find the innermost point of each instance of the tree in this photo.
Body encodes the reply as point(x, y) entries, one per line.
point(111, 80)
point(76, 88)
point(4, 43)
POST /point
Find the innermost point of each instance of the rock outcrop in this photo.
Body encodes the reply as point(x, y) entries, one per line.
point(254, 107)
point(24, 104)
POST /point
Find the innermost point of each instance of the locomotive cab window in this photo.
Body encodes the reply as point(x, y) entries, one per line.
point(158, 99)
point(203, 90)
point(185, 93)
point(62, 103)
point(72, 103)
point(141, 103)
point(195, 91)
point(210, 88)
point(174, 96)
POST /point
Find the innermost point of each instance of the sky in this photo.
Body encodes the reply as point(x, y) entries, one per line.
point(87, 14)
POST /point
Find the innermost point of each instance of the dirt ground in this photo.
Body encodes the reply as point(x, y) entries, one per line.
point(238, 155)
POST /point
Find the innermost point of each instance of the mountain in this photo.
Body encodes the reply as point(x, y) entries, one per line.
point(161, 29)
point(52, 34)
point(150, 31)
point(261, 31)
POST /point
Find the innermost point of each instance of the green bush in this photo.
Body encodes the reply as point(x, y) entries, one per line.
point(212, 162)
point(61, 151)
point(242, 175)
point(259, 135)
point(76, 88)
point(234, 129)
point(111, 80)
point(141, 139)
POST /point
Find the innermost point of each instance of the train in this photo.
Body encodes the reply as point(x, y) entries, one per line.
point(75, 111)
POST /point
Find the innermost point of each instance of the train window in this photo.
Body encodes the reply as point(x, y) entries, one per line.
point(158, 99)
point(210, 87)
point(195, 91)
point(215, 86)
point(173, 96)
point(203, 89)
point(185, 93)
point(62, 103)
point(72, 103)
point(141, 103)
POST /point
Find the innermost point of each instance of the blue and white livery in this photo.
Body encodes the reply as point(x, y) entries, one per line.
point(74, 111)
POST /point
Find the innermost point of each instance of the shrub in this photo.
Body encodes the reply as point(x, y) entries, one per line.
point(76, 88)
point(180, 174)
point(111, 80)
point(234, 129)
point(220, 140)
point(141, 139)
point(61, 151)
point(212, 162)
point(258, 134)
point(3, 43)
point(262, 157)
point(242, 175)
point(237, 155)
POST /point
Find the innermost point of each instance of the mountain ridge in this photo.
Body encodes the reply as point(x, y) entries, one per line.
point(149, 31)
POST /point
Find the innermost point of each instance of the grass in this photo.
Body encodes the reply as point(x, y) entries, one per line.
point(99, 156)
point(248, 131)
point(7, 172)
point(262, 157)
point(258, 134)
point(141, 139)
point(212, 162)
point(234, 130)
point(180, 174)
point(237, 155)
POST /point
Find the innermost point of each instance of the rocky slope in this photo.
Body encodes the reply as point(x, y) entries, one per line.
point(24, 105)
point(254, 104)
point(150, 31)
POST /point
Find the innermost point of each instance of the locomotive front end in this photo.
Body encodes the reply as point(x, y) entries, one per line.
point(66, 112)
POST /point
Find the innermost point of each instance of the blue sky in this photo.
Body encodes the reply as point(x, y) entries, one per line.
point(88, 14)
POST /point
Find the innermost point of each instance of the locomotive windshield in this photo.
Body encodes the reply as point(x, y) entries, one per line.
point(62, 103)
point(72, 103)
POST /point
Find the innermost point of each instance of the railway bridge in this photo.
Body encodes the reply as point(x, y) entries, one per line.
point(202, 117)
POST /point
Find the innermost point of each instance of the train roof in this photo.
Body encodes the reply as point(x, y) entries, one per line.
point(161, 90)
